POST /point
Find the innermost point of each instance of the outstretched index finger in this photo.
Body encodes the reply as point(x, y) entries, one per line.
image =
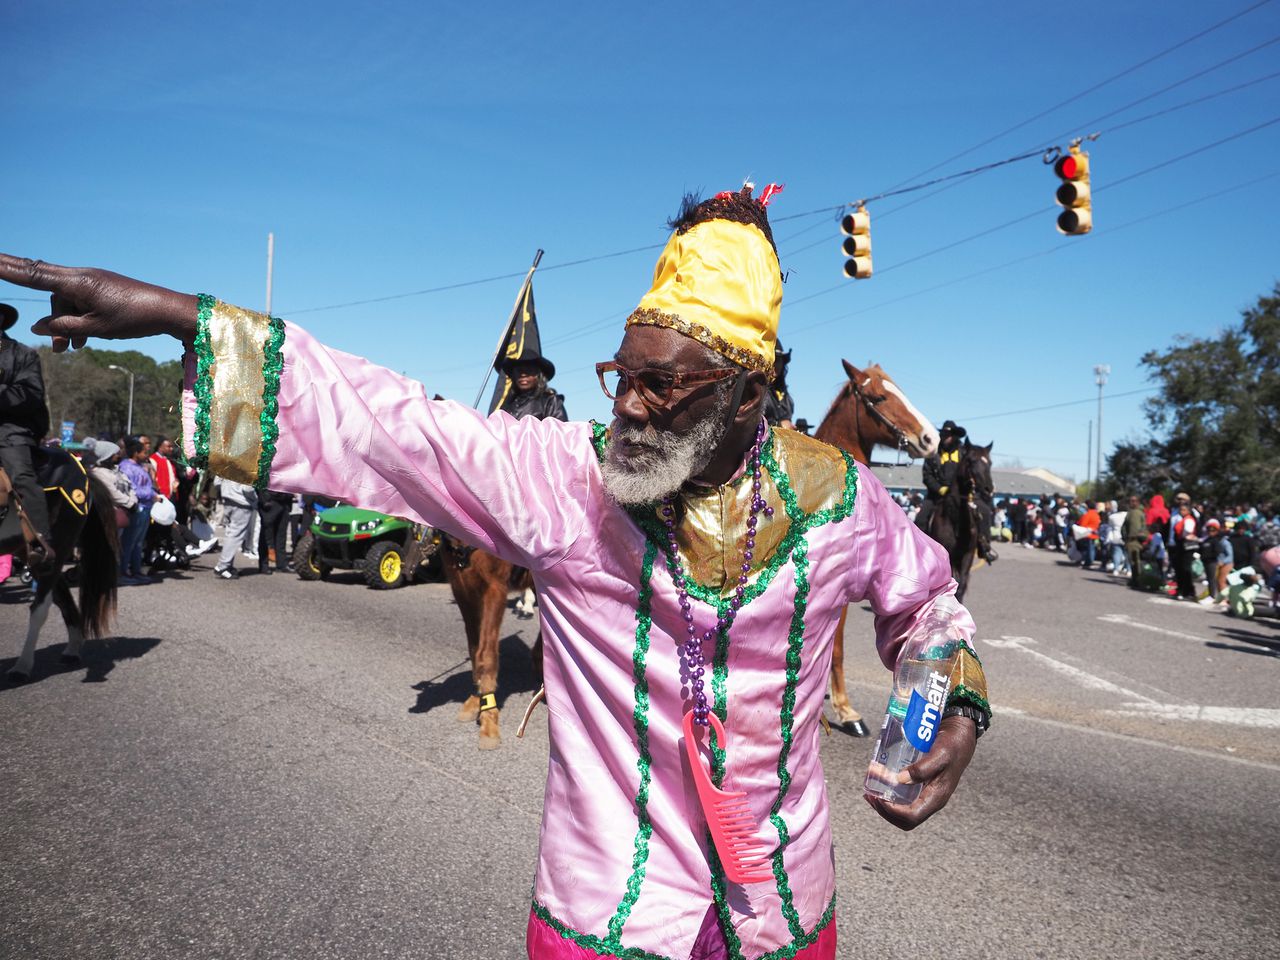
point(35, 274)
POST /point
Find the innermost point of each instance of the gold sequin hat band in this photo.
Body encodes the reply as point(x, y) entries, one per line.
point(718, 281)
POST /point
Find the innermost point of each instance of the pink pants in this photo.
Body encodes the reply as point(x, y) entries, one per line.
point(544, 943)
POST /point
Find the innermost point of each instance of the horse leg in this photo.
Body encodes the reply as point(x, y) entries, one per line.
point(71, 617)
point(484, 666)
point(470, 708)
point(848, 718)
point(961, 571)
point(20, 672)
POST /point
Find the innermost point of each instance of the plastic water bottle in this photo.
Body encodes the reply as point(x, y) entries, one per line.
point(913, 717)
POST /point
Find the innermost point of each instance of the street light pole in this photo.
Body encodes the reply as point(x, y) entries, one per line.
point(128, 429)
point(1100, 374)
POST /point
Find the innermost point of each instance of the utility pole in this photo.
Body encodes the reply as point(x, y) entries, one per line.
point(271, 256)
point(128, 428)
point(1100, 374)
point(1088, 457)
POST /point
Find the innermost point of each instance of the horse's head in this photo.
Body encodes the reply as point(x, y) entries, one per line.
point(900, 423)
point(976, 469)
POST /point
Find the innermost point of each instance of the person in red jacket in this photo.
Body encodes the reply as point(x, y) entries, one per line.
point(1088, 545)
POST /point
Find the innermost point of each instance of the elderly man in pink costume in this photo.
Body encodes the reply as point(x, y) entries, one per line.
point(690, 563)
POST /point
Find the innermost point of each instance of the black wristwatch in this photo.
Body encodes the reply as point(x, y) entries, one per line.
point(980, 720)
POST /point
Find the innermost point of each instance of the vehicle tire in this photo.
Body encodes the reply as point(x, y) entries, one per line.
point(384, 565)
point(305, 562)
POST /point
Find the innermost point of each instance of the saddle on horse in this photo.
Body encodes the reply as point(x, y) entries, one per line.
point(62, 477)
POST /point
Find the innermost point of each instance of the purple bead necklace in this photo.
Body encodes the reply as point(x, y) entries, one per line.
point(694, 660)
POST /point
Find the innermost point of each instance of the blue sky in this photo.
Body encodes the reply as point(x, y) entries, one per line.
point(397, 147)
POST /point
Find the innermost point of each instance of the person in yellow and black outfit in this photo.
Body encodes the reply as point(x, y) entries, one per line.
point(24, 421)
point(940, 473)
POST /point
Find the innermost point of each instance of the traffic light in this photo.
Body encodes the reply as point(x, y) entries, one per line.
point(857, 243)
point(1073, 193)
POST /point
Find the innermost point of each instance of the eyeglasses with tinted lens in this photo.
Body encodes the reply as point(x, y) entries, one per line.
point(655, 387)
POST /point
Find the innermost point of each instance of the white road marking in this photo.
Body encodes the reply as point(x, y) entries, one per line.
point(1238, 716)
point(1084, 678)
point(1147, 741)
point(1140, 705)
point(1128, 621)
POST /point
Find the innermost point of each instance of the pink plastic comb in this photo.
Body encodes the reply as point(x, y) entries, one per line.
point(731, 823)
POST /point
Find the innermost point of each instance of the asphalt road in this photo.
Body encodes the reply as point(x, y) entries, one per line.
point(272, 768)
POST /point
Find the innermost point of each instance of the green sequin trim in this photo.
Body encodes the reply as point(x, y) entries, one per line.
point(807, 939)
point(966, 695)
point(795, 643)
point(644, 762)
point(801, 523)
point(203, 387)
point(731, 940)
point(600, 945)
point(272, 367)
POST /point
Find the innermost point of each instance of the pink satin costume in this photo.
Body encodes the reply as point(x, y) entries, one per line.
point(624, 866)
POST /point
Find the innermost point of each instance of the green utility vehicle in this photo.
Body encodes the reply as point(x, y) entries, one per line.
point(388, 551)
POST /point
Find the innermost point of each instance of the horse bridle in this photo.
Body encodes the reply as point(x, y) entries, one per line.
point(872, 403)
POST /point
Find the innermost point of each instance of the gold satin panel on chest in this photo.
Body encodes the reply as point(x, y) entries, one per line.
point(712, 534)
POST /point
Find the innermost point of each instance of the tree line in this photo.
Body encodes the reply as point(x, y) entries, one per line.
point(1215, 418)
point(80, 388)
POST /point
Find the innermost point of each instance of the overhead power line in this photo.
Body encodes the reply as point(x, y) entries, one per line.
point(1056, 406)
point(1047, 251)
point(1097, 86)
point(1088, 124)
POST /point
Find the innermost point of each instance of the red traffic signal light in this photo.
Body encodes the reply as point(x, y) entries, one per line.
point(1073, 193)
point(857, 243)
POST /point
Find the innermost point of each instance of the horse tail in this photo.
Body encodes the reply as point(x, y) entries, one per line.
point(99, 563)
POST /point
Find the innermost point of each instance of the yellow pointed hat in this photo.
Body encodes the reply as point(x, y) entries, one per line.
point(718, 279)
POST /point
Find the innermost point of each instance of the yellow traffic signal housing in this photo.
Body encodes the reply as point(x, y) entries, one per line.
point(1073, 169)
point(857, 243)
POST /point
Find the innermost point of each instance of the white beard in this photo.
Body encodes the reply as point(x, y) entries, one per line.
point(666, 462)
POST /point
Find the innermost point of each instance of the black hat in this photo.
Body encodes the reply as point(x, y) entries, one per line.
point(8, 316)
point(532, 357)
point(951, 428)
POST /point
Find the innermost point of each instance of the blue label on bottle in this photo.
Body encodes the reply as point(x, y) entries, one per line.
point(920, 726)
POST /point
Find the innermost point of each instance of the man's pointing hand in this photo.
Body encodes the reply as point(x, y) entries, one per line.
point(86, 302)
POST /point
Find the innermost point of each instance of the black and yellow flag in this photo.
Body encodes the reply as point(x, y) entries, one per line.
point(522, 343)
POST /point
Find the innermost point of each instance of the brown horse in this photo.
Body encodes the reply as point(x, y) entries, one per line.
point(481, 583)
point(870, 410)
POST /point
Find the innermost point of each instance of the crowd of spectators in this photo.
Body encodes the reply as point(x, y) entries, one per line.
point(167, 513)
point(1217, 555)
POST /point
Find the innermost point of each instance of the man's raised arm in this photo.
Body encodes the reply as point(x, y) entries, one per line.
point(265, 403)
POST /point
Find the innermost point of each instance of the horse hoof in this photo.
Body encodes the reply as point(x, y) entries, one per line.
point(855, 728)
point(490, 732)
point(18, 677)
point(468, 712)
point(69, 659)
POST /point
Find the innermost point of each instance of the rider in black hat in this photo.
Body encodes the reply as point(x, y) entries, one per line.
point(529, 395)
point(939, 473)
point(779, 408)
point(24, 421)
